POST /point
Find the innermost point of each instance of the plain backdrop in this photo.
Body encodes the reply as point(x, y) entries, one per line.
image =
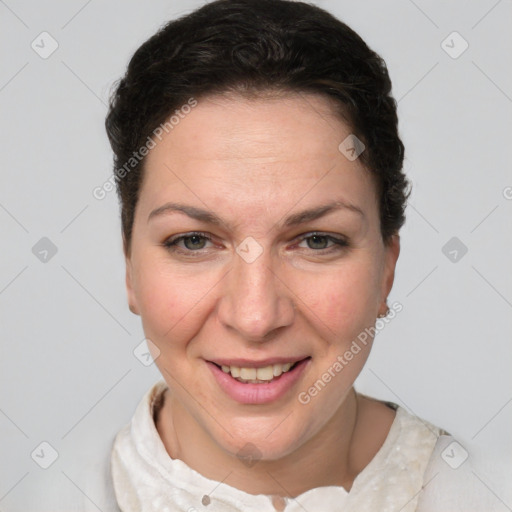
point(69, 376)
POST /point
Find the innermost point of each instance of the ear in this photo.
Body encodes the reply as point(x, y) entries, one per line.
point(130, 291)
point(392, 251)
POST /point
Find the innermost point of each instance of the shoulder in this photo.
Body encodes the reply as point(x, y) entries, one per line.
point(450, 482)
point(423, 467)
point(394, 477)
point(78, 481)
point(402, 438)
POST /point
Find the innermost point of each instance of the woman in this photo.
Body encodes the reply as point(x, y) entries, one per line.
point(259, 170)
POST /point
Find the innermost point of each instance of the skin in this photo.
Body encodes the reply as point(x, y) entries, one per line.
point(253, 162)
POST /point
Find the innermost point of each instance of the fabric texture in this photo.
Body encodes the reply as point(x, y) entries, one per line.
point(398, 478)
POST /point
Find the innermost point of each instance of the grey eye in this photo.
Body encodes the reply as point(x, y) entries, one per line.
point(194, 242)
point(317, 241)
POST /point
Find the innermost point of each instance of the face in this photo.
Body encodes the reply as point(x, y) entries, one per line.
point(256, 245)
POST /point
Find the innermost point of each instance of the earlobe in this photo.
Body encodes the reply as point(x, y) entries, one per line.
point(392, 253)
point(132, 302)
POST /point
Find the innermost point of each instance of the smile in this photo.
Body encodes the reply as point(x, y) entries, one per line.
point(261, 382)
point(257, 375)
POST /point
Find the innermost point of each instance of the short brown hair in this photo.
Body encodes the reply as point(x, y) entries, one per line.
point(251, 46)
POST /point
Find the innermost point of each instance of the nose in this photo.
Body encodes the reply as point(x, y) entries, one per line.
point(256, 301)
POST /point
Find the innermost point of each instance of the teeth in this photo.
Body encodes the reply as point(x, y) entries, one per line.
point(257, 375)
point(248, 373)
point(266, 373)
point(277, 369)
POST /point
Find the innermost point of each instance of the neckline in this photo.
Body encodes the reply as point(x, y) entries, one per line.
point(171, 466)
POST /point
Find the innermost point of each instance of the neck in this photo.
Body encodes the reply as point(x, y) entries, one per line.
point(328, 455)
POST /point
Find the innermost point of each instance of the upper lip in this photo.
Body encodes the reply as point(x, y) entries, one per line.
point(251, 363)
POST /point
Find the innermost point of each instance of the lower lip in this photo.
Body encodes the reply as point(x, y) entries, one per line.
point(258, 393)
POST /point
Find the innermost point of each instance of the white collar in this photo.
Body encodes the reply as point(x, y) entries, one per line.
point(147, 479)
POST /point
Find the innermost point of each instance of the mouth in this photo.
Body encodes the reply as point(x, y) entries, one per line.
point(249, 382)
point(258, 374)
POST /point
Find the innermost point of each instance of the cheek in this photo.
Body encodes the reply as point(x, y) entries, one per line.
point(167, 303)
point(342, 300)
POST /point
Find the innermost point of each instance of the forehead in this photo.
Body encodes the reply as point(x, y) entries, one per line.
point(255, 150)
point(270, 127)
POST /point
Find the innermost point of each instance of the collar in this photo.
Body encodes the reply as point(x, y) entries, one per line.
point(147, 479)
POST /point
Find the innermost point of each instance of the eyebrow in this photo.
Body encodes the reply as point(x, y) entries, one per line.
point(293, 220)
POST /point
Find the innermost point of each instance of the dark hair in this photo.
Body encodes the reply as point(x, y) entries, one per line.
point(252, 47)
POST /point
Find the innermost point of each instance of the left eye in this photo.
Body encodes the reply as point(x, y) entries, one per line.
point(320, 241)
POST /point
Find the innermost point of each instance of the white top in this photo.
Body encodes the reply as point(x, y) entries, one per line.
point(418, 468)
point(134, 473)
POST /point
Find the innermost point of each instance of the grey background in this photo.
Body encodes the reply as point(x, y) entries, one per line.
point(68, 373)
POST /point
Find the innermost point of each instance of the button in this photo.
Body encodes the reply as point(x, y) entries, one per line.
point(279, 503)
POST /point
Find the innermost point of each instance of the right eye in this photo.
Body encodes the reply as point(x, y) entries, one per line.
point(190, 242)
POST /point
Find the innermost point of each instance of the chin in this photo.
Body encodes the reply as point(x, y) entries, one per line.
point(267, 439)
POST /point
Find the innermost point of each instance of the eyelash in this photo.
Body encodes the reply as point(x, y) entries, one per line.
point(171, 244)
